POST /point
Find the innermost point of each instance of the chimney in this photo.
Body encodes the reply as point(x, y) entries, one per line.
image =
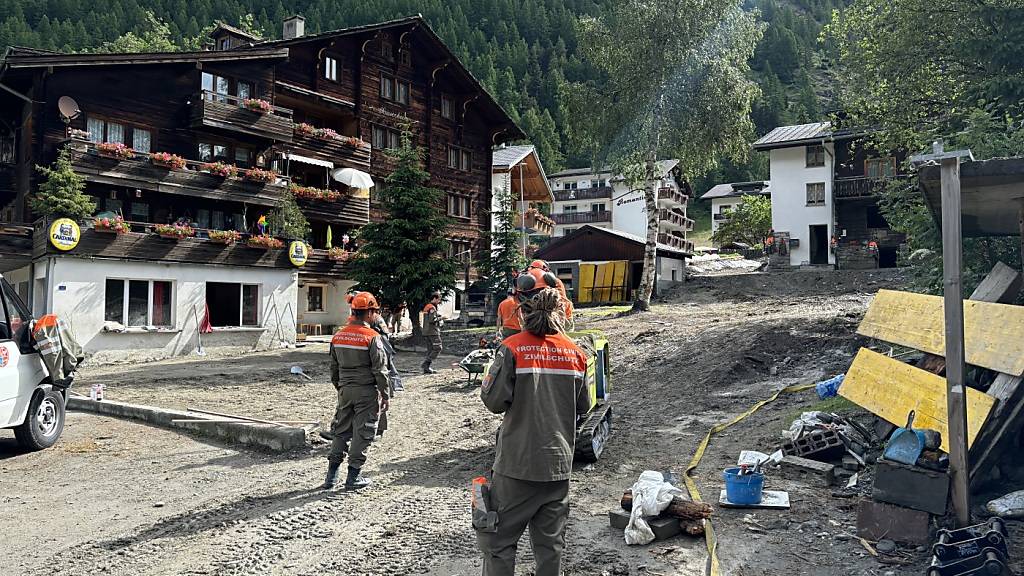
point(294, 27)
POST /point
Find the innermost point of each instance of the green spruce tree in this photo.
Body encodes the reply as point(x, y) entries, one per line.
point(404, 258)
point(62, 195)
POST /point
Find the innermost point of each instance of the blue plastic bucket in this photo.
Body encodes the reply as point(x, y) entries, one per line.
point(745, 489)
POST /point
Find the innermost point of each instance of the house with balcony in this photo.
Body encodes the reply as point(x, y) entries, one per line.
point(604, 200)
point(725, 198)
point(213, 141)
point(517, 171)
point(825, 183)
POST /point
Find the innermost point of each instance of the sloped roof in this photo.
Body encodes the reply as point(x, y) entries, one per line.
point(221, 25)
point(664, 167)
point(580, 234)
point(791, 135)
point(734, 189)
point(27, 58)
point(509, 156)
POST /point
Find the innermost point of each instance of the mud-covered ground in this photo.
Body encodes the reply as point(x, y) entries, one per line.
point(116, 497)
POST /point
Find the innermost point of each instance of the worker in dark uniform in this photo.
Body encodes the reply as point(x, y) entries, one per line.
point(537, 381)
point(359, 371)
point(432, 322)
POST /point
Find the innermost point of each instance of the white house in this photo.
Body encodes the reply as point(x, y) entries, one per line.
point(603, 200)
point(518, 171)
point(727, 197)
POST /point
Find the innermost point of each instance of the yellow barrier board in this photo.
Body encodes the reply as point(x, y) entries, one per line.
point(587, 272)
point(890, 389)
point(993, 333)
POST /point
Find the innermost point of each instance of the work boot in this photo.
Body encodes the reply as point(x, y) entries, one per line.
point(427, 369)
point(332, 475)
point(355, 481)
point(327, 435)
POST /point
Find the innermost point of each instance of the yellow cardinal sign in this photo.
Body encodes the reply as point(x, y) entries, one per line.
point(65, 234)
point(298, 253)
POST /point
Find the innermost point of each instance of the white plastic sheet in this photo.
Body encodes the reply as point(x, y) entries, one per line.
point(651, 495)
point(1009, 505)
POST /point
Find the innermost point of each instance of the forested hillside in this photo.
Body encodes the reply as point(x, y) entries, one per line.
point(522, 50)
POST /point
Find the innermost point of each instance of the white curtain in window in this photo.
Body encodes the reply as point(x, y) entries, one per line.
point(115, 133)
point(142, 140)
point(95, 126)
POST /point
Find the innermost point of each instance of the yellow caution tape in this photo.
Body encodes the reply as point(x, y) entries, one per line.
point(714, 568)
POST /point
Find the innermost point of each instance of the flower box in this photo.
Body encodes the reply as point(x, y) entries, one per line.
point(226, 237)
point(257, 105)
point(174, 231)
point(115, 225)
point(338, 254)
point(304, 129)
point(167, 160)
point(265, 242)
point(220, 169)
point(259, 175)
point(310, 193)
point(115, 150)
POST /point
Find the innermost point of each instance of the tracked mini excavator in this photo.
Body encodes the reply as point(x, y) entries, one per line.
point(593, 428)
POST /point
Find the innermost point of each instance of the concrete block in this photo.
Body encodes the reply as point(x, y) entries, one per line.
point(877, 520)
point(851, 463)
point(818, 444)
point(664, 527)
point(911, 486)
point(806, 470)
point(276, 438)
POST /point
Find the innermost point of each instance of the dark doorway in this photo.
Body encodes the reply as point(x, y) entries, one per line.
point(887, 257)
point(819, 244)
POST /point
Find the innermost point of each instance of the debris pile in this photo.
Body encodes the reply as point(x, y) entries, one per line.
point(661, 511)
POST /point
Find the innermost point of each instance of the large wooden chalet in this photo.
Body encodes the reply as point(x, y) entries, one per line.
point(330, 101)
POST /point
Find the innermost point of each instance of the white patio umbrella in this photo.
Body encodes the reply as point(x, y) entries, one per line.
point(353, 178)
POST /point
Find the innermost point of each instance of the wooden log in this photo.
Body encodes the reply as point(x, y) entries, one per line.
point(680, 508)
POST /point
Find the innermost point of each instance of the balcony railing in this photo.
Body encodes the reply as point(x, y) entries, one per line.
point(670, 197)
point(582, 217)
point(140, 173)
point(211, 110)
point(670, 240)
point(670, 219)
point(350, 153)
point(584, 194)
point(536, 222)
point(720, 217)
point(861, 186)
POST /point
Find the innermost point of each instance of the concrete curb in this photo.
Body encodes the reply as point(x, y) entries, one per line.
point(276, 438)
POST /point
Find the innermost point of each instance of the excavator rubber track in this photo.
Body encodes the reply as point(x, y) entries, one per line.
point(593, 434)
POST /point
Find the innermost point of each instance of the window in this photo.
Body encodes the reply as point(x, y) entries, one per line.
point(446, 106)
point(567, 231)
point(215, 87)
point(569, 208)
point(878, 168)
point(459, 206)
point(387, 50)
point(232, 304)
point(140, 212)
point(142, 140)
point(453, 157)
point(387, 88)
point(595, 183)
point(209, 152)
point(816, 194)
point(315, 299)
point(459, 159)
point(402, 94)
point(7, 155)
point(103, 131)
point(14, 326)
point(565, 186)
point(225, 43)
point(217, 220)
point(385, 138)
point(598, 207)
point(467, 160)
point(243, 157)
point(405, 56)
point(244, 90)
point(331, 68)
point(203, 218)
point(137, 303)
point(815, 156)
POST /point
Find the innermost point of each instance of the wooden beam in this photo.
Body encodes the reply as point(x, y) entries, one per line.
point(994, 332)
point(891, 389)
point(1004, 422)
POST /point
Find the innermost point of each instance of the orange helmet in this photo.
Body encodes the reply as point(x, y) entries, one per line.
point(363, 301)
point(539, 264)
point(534, 280)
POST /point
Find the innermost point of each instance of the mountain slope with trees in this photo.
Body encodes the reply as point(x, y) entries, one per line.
point(523, 51)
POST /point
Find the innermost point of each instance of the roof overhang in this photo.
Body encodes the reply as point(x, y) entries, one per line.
point(991, 195)
point(32, 60)
point(528, 181)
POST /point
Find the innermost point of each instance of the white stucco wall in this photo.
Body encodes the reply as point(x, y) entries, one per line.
point(336, 309)
point(718, 205)
point(666, 267)
point(790, 212)
point(77, 293)
point(629, 210)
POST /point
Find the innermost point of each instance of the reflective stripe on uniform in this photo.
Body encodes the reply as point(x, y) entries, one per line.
point(351, 347)
point(558, 371)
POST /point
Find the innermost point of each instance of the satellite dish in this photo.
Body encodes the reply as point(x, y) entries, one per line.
point(68, 108)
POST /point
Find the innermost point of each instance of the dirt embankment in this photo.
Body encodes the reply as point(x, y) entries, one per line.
point(705, 353)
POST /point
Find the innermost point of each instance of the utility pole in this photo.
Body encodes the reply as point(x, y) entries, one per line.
point(952, 281)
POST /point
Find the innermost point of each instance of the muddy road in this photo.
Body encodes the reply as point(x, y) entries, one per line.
point(116, 497)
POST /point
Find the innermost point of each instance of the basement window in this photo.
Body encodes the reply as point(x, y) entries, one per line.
point(232, 304)
point(137, 303)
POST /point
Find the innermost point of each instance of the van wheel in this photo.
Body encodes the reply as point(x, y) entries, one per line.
point(44, 423)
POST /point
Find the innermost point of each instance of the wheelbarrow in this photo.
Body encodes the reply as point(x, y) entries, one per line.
point(476, 363)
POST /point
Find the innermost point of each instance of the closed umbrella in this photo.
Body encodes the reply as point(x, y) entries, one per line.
point(329, 235)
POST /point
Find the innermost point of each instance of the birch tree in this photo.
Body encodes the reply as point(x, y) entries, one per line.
point(671, 81)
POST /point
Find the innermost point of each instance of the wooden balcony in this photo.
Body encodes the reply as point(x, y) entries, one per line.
point(671, 198)
point(582, 217)
point(343, 154)
point(225, 112)
point(670, 219)
point(860, 186)
point(142, 174)
point(583, 194)
point(536, 223)
point(319, 265)
point(345, 210)
point(671, 240)
point(147, 246)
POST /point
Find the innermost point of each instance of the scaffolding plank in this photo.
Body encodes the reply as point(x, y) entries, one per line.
point(993, 333)
point(890, 389)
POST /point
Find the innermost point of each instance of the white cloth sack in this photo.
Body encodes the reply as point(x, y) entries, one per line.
point(1009, 505)
point(651, 495)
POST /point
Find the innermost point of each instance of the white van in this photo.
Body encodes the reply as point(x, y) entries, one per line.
point(29, 402)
